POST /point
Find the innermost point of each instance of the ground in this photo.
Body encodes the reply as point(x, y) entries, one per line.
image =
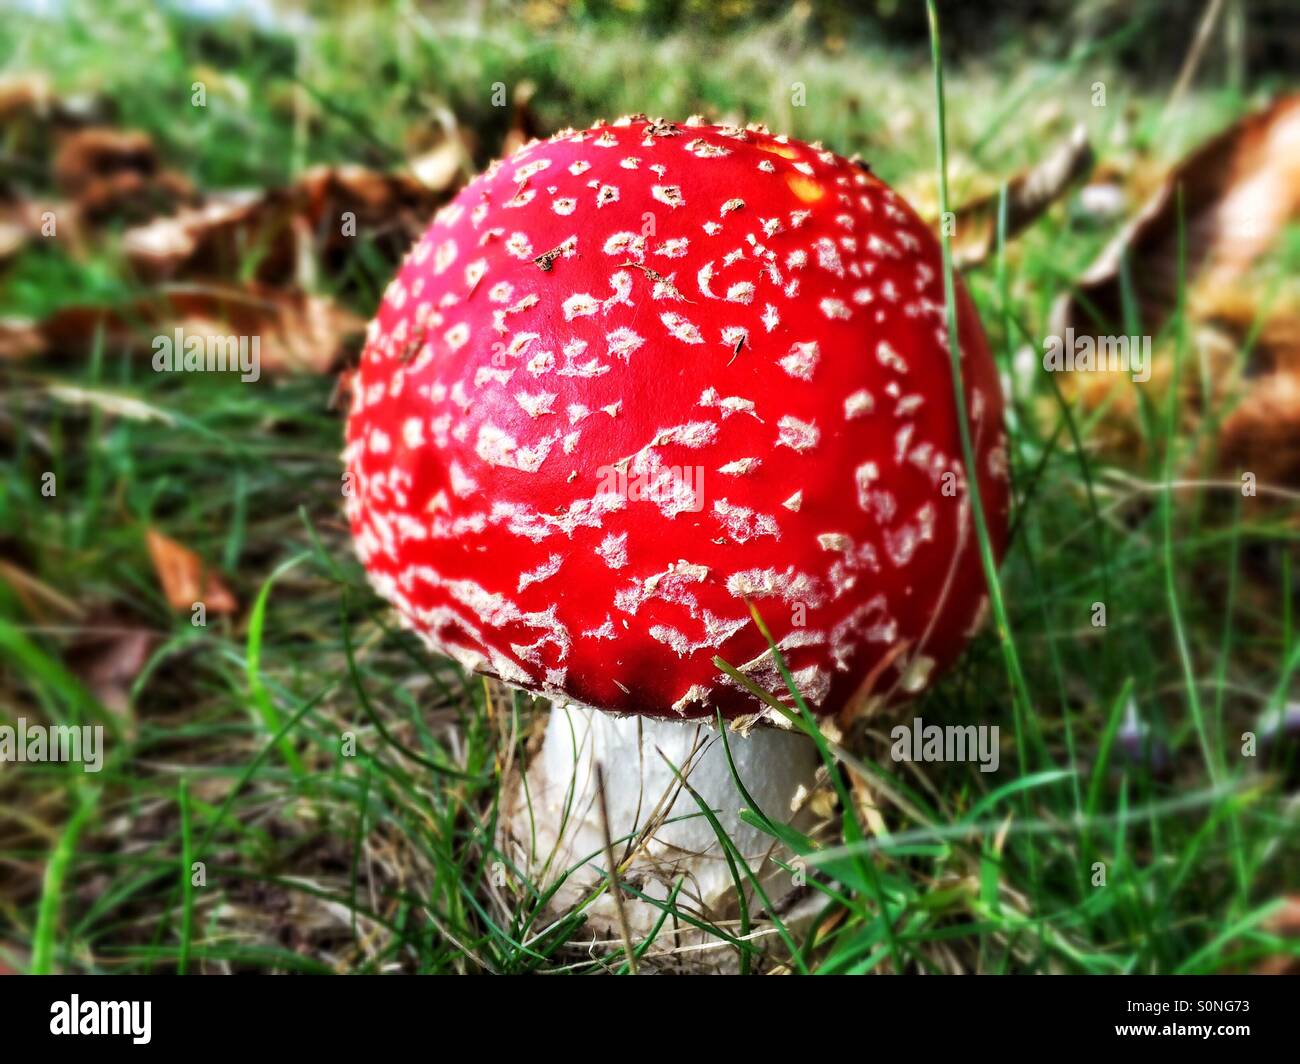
point(233, 829)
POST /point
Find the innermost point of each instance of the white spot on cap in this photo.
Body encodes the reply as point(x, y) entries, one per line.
point(828, 257)
point(613, 550)
point(457, 336)
point(535, 404)
point(462, 484)
point(543, 572)
point(622, 342)
point(673, 249)
point(717, 630)
point(889, 358)
point(864, 476)
point(857, 404)
point(625, 244)
point(605, 631)
point(731, 404)
point(518, 245)
point(695, 694)
point(802, 360)
point(580, 305)
point(681, 328)
point(743, 524)
point(797, 435)
point(741, 292)
point(733, 335)
point(499, 448)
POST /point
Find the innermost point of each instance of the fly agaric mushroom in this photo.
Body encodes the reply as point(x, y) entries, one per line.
point(630, 381)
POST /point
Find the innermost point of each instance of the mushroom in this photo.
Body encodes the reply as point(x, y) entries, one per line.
point(631, 382)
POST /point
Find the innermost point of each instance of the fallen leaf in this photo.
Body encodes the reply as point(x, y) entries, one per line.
point(114, 173)
point(33, 118)
point(28, 96)
point(13, 236)
point(328, 208)
point(1255, 371)
point(20, 339)
point(1234, 194)
point(107, 658)
point(1029, 194)
point(184, 579)
point(440, 166)
point(24, 94)
point(219, 229)
point(23, 221)
point(1262, 434)
point(295, 331)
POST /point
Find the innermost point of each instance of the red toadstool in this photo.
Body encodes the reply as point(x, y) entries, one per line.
point(633, 379)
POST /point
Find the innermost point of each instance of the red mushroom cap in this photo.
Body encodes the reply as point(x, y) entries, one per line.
point(638, 374)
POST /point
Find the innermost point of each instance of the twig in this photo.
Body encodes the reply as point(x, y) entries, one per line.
point(624, 928)
point(1196, 53)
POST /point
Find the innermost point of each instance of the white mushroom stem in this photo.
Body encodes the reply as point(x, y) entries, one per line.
point(651, 816)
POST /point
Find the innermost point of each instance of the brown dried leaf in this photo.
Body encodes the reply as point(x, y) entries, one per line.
point(440, 167)
point(1262, 433)
point(1235, 193)
point(25, 220)
point(32, 117)
point(20, 338)
point(215, 240)
point(24, 94)
point(296, 331)
point(184, 579)
point(1029, 194)
point(110, 173)
point(13, 236)
point(28, 97)
point(328, 208)
point(108, 658)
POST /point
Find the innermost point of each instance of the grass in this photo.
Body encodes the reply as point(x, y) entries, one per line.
point(335, 790)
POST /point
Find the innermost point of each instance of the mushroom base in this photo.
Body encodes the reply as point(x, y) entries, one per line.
point(658, 833)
